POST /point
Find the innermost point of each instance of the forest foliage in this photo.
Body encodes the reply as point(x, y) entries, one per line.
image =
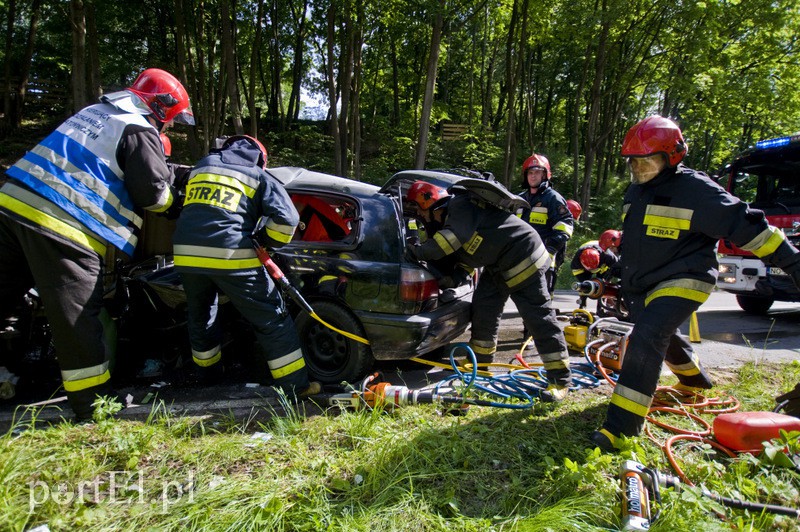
point(562, 78)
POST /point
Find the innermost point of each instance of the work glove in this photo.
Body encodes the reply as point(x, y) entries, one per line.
point(789, 402)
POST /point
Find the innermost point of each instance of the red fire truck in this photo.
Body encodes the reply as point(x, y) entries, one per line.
point(766, 176)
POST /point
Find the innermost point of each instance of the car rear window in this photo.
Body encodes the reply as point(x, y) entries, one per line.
point(324, 218)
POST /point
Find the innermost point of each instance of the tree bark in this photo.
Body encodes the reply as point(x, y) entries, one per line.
point(229, 59)
point(297, 65)
point(355, 106)
point(93, 73)
point(25, 66)
point(253, 70)
point(12, 14)
point(185, 72)
point(332, 92)
point(508, 154)
point(430, 85)
point(78, 19)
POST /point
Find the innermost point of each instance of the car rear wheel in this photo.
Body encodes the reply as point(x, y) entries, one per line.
point(754, 305)
point(330, 356)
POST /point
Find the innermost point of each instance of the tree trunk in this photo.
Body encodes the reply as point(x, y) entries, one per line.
point(430, 84)
point(395, 121)
point(93, 74)
point(591, 144)
point(229, 59)
point(78, 19)
point(508, 154)
point(185, 72)
point(25, 66)
point(332, 92)
point(345, 85)
point(12, 14)
point(356, 95)
point(297, 65)
point(254, 56)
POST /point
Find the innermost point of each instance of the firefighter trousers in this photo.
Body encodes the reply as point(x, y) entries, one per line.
point(69, 279)
point(258, 300)
point(533, 304)
point(655, 339)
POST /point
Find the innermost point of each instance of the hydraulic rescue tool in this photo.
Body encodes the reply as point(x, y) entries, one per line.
point(383, 395)
point(638, 482)
point(281, 280)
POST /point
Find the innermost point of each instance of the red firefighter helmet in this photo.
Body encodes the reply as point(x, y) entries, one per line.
point(574, 208)
point(535, 161)
point(262, 160)
point(655, 134)
point(425, 194)
point(590, 259)
point(164, 95)
point(167, 145)
point(610, 238)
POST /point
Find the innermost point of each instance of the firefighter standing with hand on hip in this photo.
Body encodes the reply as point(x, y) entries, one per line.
point(77, 192)
point(514, 261)
point(549, 213)
point(226, 194)
point(673, 217)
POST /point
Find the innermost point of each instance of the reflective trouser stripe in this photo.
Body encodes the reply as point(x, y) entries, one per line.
point(691, 289)
point(483, 347)
point(689, 369)
point(207, 358)
point(287, 364)
point(628, 399)
point(526, 268)
point(557, 360)
point(76, 380)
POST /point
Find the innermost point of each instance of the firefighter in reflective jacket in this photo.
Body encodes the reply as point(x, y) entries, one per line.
point(673, 217)
point(549, 213)
point(78, 192)
point(514, 261)
point(227, 193)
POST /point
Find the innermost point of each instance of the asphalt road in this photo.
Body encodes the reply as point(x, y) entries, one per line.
point(729, 338)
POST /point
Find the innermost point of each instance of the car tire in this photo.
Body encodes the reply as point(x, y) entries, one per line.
point(330, 356)
point(755, 305)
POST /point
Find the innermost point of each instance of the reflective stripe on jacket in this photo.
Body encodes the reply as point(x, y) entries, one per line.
point(75, 170)
point(549, 216)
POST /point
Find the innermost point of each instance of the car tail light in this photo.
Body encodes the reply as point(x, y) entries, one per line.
point(417, 286)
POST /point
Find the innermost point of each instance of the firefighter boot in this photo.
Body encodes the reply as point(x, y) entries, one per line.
point(313, 388)
point(554, 393)
point(605, 440)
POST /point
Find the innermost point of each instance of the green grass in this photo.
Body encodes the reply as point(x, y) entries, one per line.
point(409, 470)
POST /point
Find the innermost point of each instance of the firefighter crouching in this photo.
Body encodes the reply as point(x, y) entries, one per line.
point(594, 260)
point(514, 261)
point(79, 191)
point(226, 194)
point(672, 218)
